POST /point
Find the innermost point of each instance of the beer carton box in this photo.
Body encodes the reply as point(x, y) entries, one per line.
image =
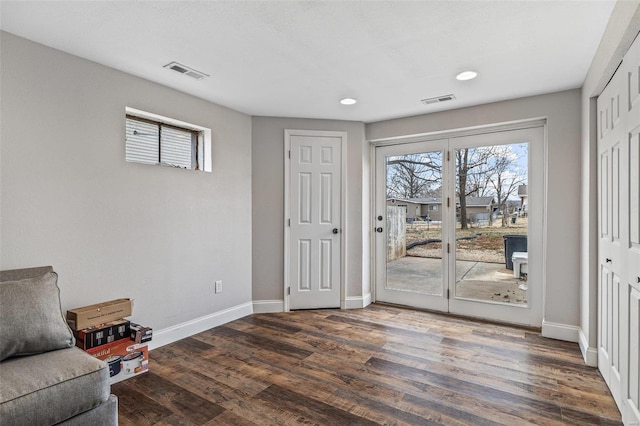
point(102, 334)
point(140, 334)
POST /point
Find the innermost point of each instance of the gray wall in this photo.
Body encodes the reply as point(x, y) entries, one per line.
point(562, 111)
point(268, 203)
point(114, 229)
point(621, 30)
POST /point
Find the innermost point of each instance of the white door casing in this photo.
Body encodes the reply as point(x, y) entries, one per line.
point(314, 231)
point(618, 109)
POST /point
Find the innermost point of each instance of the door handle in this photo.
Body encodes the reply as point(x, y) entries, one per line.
point(379, 229)
point(607, 260)
point(335, 230)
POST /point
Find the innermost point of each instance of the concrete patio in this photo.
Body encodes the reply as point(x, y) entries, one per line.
point(474, 280)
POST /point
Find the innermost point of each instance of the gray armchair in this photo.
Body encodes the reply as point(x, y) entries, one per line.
point(44, 378)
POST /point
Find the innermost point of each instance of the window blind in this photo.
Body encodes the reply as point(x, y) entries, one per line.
point(142, 142)
point(175, 147)
point(155, 143)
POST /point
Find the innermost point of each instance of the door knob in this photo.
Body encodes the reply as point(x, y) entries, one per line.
point(335, 230)
point(608, 260)
point(379, 229)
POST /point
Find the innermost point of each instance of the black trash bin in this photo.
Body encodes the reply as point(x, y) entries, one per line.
point(512, 244)
point(513, 218)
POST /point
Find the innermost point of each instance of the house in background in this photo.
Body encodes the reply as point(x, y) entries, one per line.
point(479, 209)
point(524, 204)
point(414, 207)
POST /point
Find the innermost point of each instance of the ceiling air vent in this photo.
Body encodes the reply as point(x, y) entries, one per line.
point(183, 69)
point(438, 99)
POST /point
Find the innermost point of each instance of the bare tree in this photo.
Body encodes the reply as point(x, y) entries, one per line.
point(506, 177)
point(414, 175)
point(472, 167)
point(489, 171)
point(478, 184)
point(483, 171)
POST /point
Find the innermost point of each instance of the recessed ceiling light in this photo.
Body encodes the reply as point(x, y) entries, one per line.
point(348, 101)
point(467, 75)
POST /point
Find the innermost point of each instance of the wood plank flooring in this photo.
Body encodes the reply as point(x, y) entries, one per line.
point(379, 365)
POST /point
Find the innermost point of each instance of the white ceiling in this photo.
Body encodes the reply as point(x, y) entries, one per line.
point(298, 58)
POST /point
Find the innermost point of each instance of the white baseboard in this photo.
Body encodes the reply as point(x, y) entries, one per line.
point(554, 330)
point(197, 325)
point(356, 302)
point(590, 355)
point(366, 300)
point(268, 306)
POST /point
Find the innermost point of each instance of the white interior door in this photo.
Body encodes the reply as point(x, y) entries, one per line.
point(417, 207)
point(619, 235)
point(313, 232)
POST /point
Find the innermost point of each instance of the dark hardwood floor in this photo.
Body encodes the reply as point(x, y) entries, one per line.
point(379, 365)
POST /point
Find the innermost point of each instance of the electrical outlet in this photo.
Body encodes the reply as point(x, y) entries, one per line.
point(219, 286)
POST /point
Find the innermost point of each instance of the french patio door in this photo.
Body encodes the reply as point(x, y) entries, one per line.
point(438, 250)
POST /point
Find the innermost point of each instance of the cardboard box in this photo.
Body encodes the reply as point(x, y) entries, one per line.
point(140, 334)
point(88, 316)
point(125, 358)
point(102, 334)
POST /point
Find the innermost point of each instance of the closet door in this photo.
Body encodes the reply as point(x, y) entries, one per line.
point(611, 150)
point(619, 235)
point(631, 66)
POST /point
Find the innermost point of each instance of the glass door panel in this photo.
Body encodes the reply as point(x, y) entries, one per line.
point(491, 223)
point(414, 223)
point(496, 262)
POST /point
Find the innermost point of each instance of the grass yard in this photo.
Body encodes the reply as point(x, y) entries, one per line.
point(488, 246)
